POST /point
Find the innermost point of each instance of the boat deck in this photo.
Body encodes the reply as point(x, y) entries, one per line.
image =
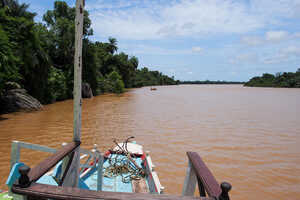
point(114, 183)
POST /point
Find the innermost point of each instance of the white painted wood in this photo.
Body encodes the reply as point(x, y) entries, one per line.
point(190, 181)
point(72, 177)
point(156, 183)
point(100, 172)
point(131, 147)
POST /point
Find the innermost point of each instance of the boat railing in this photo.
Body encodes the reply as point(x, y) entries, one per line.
point(197, 172)
point(91, 158)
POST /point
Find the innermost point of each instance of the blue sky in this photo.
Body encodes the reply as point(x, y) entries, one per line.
point(199, 39)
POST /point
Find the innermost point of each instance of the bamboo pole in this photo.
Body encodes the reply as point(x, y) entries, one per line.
point(72, 178)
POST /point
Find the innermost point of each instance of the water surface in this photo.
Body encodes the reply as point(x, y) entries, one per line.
point(249, 137)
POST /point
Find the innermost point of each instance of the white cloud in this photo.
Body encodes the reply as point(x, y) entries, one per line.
point(297, 35)
point(283, 55)
point(197, 49)
point(156, 19)
point(291, 50)
point(269, 38)
point(275, 36)
point(244, 58)
point(252, 40)
point(153, 20)
point(277, 8)
point(158, 50)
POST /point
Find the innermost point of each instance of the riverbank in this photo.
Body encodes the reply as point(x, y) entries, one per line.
point(279, 80)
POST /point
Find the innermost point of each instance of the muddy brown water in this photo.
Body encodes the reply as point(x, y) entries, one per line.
point(249, 137)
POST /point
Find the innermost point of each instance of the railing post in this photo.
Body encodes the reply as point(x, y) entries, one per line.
point(100, 172)
point(225, 187)
point(189, 181)
point(15, 153)
point(22, 182)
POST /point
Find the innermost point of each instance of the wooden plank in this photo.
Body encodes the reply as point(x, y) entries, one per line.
point(54, 192)
point(77, 87)
point(100, 172)
point(139, 186)
point(189, 181)
point(70, 179)
point(42, 168)
point(210, 184)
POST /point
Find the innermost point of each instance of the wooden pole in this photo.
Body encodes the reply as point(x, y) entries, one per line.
point(72, 179)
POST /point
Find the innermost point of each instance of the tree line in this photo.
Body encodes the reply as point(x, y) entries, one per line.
point(40, 56)
point(280, 79)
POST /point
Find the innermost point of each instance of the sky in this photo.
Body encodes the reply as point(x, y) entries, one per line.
point(231, 40)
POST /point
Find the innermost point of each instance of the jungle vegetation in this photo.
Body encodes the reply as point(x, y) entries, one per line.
point(39, 56)
point(280, 79)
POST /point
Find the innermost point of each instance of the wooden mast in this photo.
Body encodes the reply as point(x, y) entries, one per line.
point(73, 172)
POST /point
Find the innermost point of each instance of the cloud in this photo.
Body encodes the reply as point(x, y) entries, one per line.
point(275, 36)
point(278, 8)
point(270, 37)
point(155, 20)
point(197, 49)
point(283, 55)
point(159, 50)
point(252, 40)
point(244, 58)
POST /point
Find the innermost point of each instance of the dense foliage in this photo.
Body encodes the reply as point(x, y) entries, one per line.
point(39, 56)
point(285, 79)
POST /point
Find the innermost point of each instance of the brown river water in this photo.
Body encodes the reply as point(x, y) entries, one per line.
point(249, 137)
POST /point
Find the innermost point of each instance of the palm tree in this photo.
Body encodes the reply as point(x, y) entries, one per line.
point(17, 10)
point(112, 46)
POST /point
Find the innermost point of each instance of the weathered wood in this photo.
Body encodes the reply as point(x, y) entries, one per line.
point(42, 168)
point(77, 85)
point(139, 186)
point(54, 192)
point(66, 169)
point(210, 184)
point(70, 180)
point(189, 181)
point(100, 172)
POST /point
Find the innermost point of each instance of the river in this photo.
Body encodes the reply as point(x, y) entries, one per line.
point(249, 137)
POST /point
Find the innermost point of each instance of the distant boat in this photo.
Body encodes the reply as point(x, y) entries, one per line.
point(153, 88)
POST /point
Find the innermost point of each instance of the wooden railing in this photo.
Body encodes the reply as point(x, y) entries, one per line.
point(196, 172)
